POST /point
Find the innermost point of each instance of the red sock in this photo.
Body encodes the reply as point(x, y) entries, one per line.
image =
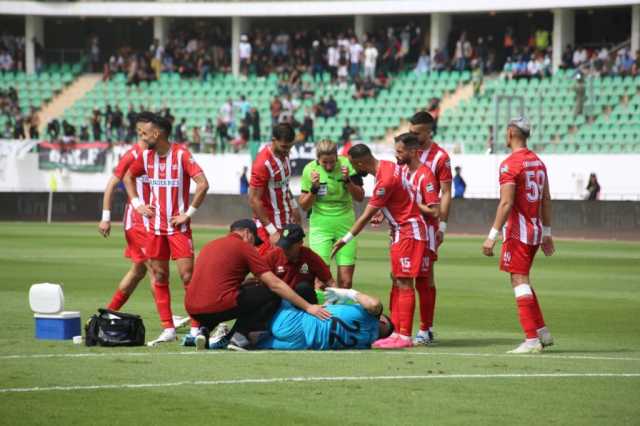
point(118, 300)
point(539, 318)
point(393, 307)
point(527, 314)
point(162, 296)
point(406, 306)
point(427, 300)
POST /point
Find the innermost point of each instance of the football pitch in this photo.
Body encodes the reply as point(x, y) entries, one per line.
point(589, 292)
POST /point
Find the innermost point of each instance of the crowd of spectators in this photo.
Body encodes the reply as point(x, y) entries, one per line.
point(16, 124)
point(11, 52)
point(601, 61)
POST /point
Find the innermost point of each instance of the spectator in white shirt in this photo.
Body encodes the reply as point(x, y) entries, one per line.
point(244, 52)
point(227, 114)
point(355, 55)
point(579, 57)
point(333, 58)
point(370, 60)
point(424, 63)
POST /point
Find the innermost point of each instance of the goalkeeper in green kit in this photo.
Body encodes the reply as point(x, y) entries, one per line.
point(329, 185)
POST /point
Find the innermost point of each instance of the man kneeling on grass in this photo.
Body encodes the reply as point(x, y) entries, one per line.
point(352, 326)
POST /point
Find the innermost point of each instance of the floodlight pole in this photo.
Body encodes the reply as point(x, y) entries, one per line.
point(50, 206)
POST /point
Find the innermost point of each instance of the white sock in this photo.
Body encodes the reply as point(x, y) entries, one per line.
point(403, 337)
point(532, 342)
point(542, 330)
point(194, 331)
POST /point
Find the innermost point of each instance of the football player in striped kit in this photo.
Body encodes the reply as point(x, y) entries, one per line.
point(170, 169)
point(524, 216)
point(270, 197)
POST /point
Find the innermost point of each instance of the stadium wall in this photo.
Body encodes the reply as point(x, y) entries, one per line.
point(574, 219)
point(618, 174)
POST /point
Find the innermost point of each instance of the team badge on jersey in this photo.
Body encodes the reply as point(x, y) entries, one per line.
point(162, 166)
point(380, 192)
point(280, 270)
point(429, 187)
point(504, 169)
point(304, 269)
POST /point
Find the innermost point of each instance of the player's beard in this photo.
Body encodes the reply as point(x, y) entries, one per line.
point(400, 161)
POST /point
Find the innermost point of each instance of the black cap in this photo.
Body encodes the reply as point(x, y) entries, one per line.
point(291, 234)
point(247, 224)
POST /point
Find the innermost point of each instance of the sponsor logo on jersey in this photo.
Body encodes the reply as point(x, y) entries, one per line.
point(174, 183)
point(380, 192)
point(304, 269)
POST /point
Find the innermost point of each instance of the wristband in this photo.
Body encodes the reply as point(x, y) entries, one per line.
point(271, 229)
point(315, 190)
point(442, 227)
point(546, 231)
point(191, 211)
point(106, 215)
point(493, 234)
point(348, 237)
point(135, 202)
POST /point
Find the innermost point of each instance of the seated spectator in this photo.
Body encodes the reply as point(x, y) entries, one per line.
point(330, 107)
point(439, 60)
point(424, 63)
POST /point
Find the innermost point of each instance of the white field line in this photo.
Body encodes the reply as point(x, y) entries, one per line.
point(318, 379)
point(303, 353)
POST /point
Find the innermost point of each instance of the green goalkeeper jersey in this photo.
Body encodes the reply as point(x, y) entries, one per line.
point(333, 198)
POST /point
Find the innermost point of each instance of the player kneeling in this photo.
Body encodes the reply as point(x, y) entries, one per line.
point(351, 326)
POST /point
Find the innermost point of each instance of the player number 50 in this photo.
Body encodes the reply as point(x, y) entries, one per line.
point(535, 185)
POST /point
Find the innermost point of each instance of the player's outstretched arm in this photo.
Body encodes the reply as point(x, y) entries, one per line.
point(342, 295)
point(280, 288)
point(357, 227)
point(548, 248)
point(507, 197)
point(105, 224)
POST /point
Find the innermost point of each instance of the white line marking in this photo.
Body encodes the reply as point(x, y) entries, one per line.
point(346, 352)
point(318, 379)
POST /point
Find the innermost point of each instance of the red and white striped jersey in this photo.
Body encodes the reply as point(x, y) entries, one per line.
point(423, 185)
point(395, 198)
point(437, 160)
point(528, 173)
point(169, 179)
point(272, 174)
point(131, 216)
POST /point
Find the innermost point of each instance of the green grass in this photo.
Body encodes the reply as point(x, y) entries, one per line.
point(589, 291)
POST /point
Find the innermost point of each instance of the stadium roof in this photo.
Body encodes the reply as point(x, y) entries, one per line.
point(285, 8)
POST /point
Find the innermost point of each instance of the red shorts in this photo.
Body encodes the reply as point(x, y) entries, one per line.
point(137, 240)
point(409, 259)
point(517, 257)
point(176, 246)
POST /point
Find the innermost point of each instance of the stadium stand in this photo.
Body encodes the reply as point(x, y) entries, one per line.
point(559, 127)
point(198, 100)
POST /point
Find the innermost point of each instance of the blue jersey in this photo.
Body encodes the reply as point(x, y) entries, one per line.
point(350, 327)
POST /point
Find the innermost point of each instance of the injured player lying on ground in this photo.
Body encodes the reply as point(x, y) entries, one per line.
point(357, 321)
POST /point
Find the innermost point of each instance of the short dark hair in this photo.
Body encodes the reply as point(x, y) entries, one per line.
point(284, 132)
point(410, 140)
point(150, 117)
point(421, 117)
point(145, 117)
point(359, 151)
